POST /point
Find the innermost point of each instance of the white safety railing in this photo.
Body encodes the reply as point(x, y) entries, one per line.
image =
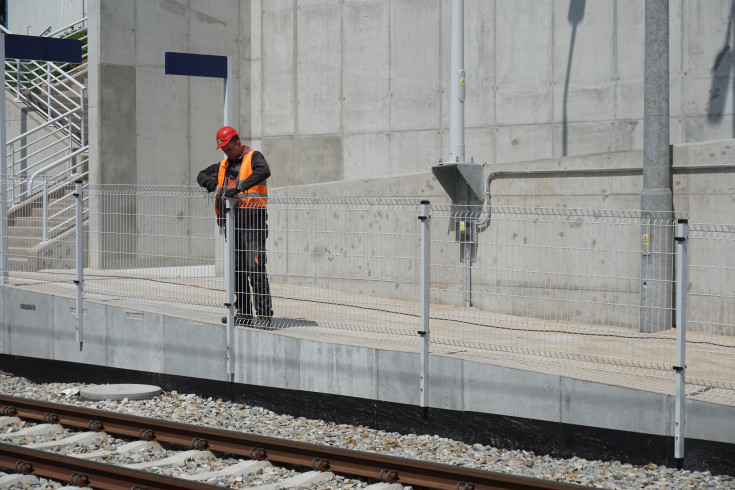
point(558, 288)
point(46, 150)
point(551, 290)
point(50, 88)
point(45, 160)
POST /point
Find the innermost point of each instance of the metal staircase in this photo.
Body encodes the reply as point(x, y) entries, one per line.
point(44, 162)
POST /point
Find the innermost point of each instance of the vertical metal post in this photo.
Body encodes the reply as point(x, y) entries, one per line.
point(467, 274)
point(230, 284)
point(228, 94)
point(79, 197)
point(682, 232)
point(71, 135)
point(44, 209)
point(456, 84)
point(48, 90)
point(81, 123)
point(3, 177)
point(17, 77)
point(424, 265)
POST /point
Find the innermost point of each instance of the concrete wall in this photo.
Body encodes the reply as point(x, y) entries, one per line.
point(603, 274)
point(33, 17)
point(337, 90)
point(42, 325)
point(348, 89)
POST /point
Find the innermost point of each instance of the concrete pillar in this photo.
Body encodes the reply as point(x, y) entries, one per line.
point(456, 84)
point(656, 199)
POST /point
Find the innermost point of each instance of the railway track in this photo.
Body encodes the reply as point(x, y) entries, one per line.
point(200, 441)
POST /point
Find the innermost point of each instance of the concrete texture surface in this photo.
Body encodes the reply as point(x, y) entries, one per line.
point(144, 341)
point(342, 89)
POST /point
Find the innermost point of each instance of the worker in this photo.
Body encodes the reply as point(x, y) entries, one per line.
point(242, 175)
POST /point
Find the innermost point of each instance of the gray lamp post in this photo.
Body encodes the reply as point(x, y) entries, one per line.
point(656, 199)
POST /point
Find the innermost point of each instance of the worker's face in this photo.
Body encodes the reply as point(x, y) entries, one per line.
point(233, 149)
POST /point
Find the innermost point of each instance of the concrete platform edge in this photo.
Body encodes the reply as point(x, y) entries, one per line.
point(480, 403)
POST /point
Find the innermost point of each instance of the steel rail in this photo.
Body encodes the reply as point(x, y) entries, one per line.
point(88, 474)
point(389, 469)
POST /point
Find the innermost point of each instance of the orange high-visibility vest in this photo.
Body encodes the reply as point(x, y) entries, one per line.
point(256, 196)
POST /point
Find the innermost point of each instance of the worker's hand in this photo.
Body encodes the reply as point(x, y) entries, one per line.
point(210, 185)
point(232, 192)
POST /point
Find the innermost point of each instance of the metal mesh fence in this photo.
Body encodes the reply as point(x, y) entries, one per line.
point(577, 292)
point(554, 287)
point(347, 263)
point(710, 350)
point(41, 239)
point(154, 244)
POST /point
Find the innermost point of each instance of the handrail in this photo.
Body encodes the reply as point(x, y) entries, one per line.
point(55, 164)
point(50, 81)
point(50, 122)
point(66, 27)
point(44, 67)
point(54, 92)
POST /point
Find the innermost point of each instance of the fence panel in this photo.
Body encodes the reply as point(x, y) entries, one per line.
point(350, 264)
point(155, 244)
point(584, 293)
point(710, 350)
point(40, 234)
point(559, 288)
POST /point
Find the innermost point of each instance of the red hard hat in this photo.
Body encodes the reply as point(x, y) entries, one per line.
point(224, 135)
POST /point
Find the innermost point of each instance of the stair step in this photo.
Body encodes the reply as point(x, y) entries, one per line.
point(63, 214)
point(19, 264)
point(15, 232)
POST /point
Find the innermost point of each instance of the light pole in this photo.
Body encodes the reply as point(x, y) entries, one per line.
point(656, 291)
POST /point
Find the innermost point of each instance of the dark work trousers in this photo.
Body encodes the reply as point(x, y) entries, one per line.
point(250, 273)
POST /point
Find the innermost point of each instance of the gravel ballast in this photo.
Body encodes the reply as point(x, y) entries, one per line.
point(193, 409)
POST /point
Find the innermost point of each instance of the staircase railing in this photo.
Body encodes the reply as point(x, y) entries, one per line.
point(51, 156)
point(46, 181)
point(39, 148)
point(51, 88)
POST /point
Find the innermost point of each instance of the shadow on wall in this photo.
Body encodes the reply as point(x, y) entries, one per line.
point(575, 16)
point(721, 69)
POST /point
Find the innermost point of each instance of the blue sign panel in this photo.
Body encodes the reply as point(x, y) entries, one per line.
point(43, 48)
point(196, 65)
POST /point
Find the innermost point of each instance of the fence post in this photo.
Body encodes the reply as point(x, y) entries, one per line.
point(81, 122)
point(682, 232)
point(17, 80)
point(425, 264)
point(44, 223)
point(79, 235)
point(4, 245)
point(230, 283)
point(48, 90)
